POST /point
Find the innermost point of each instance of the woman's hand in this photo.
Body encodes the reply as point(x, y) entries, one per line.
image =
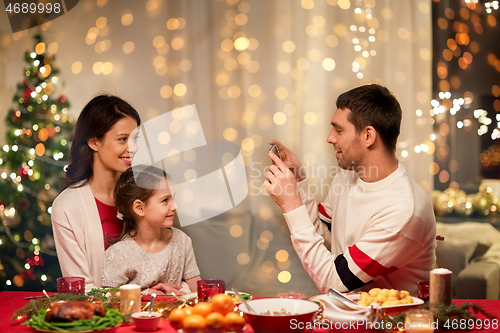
point(167, 289)
point(290, 160)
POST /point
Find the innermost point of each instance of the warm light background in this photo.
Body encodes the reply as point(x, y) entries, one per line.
point(255, 70)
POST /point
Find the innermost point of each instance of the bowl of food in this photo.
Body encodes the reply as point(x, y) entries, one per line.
point(145, 321)
point(279, 315)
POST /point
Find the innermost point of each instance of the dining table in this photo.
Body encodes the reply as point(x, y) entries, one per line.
point(11, 301)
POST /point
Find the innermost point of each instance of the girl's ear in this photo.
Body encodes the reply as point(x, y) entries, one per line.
point(138, 207)
point(92, 143)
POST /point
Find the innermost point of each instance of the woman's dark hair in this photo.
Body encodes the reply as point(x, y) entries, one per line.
point(374, 105)
point(97, 118)
point(137, 183)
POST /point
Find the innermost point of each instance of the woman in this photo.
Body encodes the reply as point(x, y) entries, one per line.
point(84, 214)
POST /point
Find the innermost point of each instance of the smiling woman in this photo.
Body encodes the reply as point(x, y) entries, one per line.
point(84, 214)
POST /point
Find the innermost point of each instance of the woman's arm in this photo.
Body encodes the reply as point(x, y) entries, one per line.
point(192, 283)
point(72, 259)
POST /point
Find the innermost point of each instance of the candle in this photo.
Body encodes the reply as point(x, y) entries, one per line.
point(419, 321)
point(440, 286)
point(130, 298)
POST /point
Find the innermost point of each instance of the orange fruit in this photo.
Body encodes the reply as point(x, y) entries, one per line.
point(202, 309)
point(215, 320)
point(188, 310)
point(234, 321)
point(176, 317)
point(193, 322)
point(222, 303)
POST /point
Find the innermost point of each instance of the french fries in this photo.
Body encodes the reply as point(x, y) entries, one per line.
point(385, 297)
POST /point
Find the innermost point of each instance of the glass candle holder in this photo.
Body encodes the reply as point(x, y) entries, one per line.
point(71, 285)
point(423, 290)
point(130, 298)
point(209, 288)
point(291, 295)
point(419, 321)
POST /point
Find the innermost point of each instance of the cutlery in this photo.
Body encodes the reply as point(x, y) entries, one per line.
point(34, 307)
point(244, 301)
point(152, 303)
point(347, 301)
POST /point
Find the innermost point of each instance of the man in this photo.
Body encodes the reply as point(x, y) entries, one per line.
point(377, 221)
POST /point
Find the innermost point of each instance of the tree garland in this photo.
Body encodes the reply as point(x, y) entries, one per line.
point(444, 315)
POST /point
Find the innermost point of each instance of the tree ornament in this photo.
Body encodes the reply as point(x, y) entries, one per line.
point(465, 206)
point(444, 205)
point(22, 173)
point(16, 115)
point(482, 203)
point(23, 203)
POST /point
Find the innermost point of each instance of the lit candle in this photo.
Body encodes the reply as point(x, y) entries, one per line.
point(440, 286)
point(419, 321)
point(130, 298)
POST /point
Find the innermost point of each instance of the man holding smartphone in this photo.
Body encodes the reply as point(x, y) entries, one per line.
point(376, 227)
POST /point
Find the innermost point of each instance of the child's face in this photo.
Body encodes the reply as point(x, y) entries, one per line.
point(160, 208)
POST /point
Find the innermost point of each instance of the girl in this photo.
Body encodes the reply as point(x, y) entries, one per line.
point(149, 251)
point(83, 215)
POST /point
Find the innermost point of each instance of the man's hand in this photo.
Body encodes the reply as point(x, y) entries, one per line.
point(167, 289)
point(291, 161)
point(282, 186)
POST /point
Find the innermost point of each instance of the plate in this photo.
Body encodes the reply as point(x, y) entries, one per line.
point(388, 308)
point(230, 293)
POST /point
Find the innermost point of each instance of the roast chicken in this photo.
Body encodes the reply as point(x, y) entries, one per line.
point(69, 311)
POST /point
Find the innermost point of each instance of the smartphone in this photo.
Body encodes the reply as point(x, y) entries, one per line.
point(274, 149)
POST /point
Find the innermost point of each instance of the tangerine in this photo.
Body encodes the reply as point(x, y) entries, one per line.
point(203, 309)
point(234, 321)
point(215, 320)
point(193, 323)
point(222, 303)
point(188, 310)
point(176, 317)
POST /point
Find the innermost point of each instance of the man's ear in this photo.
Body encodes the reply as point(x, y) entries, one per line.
point(138, 207)
point(369, 136)
point(92, 143)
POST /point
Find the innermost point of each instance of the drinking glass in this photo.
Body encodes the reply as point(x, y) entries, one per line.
point(71, 285)
point(423, 290)
point(210, 287)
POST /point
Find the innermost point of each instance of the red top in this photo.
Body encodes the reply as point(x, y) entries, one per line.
point(111, 225)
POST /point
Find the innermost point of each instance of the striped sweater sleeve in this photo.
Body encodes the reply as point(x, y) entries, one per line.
point(378, 253)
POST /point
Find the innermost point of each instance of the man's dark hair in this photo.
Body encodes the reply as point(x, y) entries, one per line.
point(373, 105)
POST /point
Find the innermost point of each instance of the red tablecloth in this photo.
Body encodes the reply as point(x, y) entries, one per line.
point(11, 301)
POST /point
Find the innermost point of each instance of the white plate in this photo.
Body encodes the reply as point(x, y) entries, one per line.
point(355, 297)
point(191, 295)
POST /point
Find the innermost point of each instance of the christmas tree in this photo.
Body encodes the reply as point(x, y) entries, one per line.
point(38, 129)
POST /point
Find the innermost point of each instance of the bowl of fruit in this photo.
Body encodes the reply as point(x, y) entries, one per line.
point(218, 316)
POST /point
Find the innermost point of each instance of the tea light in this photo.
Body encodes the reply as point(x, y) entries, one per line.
point(419, 321)
point(130, 298)
point(291, 295)
point(440, 286)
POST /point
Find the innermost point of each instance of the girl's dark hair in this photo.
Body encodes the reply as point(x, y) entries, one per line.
point(374, 105)
point(137, 183)
point(97, 118)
